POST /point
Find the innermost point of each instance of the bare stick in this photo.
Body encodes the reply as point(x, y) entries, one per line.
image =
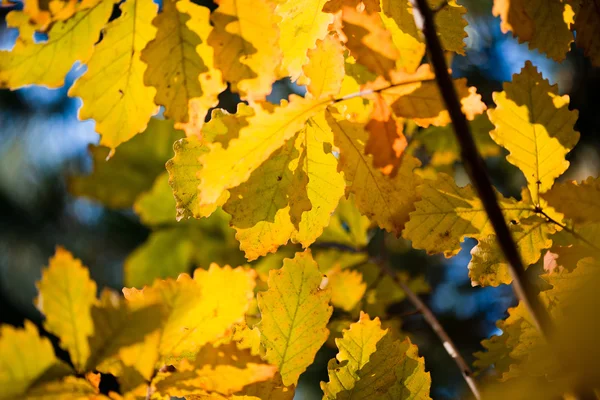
point(524, 289)
point(449, 345)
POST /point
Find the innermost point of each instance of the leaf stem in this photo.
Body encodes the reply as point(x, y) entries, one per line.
point(422, 308)
point(379, 90)
point(524, 289)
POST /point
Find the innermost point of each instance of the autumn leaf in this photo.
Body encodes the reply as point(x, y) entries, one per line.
point(290, 196)
point(47, 63)
point(347, 288)
point(535, 125)
point(302, 24)
point(295, 312)
point(174, 65)
point(544, 24)
point(356, 346)
point(246, 53)
point(587, 25)
point(488, 266)
point(112, 88)
point(325, 68)
point(369, 42)
point(579, 202)
point(386, 140)
point(66, 296)
point(118, 181)
point(26, 356)
point(386, 201)
point(119, 332)
point(371, 364)
point(224, 369)
point(226, 168)
point(68, 388)
point(447, 213)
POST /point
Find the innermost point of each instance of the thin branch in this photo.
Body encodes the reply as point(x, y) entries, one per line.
point(381, 89)
point(567, 229)
point(449, 345)
point(524, 289)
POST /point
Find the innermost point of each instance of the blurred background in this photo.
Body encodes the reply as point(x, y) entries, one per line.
point(42, 144)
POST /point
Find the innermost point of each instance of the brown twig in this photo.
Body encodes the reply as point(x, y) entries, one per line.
point(567, 229)
point(422, 308)
point(524, 289)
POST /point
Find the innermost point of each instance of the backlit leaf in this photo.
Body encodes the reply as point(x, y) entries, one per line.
point(541, 23)
point(223, 369)
point(488, 266)
point(347, 288)
point(47, 63)
point(325, 69)
point(225, 168)
point(347, 226)
point(25, 357)
point(290, 196)
point(302, 23)
point(68, 388)
point(246, 51)
point(112, 88)
point(66, 296)
point(368, 41)
point(387, 201)
point(587, 26)
point(174, 65)
point(447, 213)
point(295, 312)
point(356, 346)
point(535, 125)
point(579, 202)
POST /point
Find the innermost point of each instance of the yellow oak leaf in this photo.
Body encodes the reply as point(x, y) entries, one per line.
point(387, 201)
point(333, 258)
point(587, 26)
point(446, 214)
point(226, 168)
point(174, 66)
point(334, 6)
point(422, 101)
point(211, 80)
point(325, 69)
point(156, 206)
point(302, 24)
point(118, 181)
point(246, 52)
point(539, 22)
point(70, 387)
point(272, 389)
point(535, 125)
point(390, 369)
point(47, 63)
point(66, 296)
point(295, 312)
point(398, 19)
point(386, 140)
point(183, 178)
point(369, 42)
point(112, 88)
point(25, 357)
point(347, 288)
point(579, 202)
point(303, 190)
point(356, 346)
point(450, 24)
point(347, 226)
point(488, 266)
point(224, 369)
point(120, 331)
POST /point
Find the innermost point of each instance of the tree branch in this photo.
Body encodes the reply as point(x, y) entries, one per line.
point(525, 290)
point(421, 307)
